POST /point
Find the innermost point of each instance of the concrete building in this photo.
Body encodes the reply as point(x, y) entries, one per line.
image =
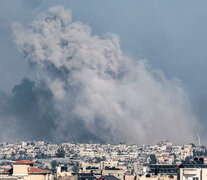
point(193, 170)
point(157, 177)
point(24, 170)
point(118, 173)
point(192, 174)
point(151, 177)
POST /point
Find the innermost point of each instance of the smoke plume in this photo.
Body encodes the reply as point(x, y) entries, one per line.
point(85, 88)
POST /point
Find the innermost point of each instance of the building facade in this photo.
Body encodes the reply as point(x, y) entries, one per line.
point(24, 170)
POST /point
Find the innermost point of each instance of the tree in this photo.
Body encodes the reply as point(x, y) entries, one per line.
point(13, 155)
point(60, 153)
point(153, 159)
point(54, 164)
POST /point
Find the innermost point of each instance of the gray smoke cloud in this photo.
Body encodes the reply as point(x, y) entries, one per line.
point(28, 113)
point(86, 88)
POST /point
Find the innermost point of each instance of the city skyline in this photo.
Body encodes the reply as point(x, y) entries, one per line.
point(68, 73)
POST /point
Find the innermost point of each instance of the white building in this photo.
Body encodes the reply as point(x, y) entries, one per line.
point(192, 174)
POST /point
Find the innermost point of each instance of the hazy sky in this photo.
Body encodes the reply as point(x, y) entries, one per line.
point(170, 34)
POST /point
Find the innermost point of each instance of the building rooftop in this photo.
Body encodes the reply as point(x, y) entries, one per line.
point(37, 170)
point(24, 162)
point(163, 169)
point(32, 170)
point(108, 177)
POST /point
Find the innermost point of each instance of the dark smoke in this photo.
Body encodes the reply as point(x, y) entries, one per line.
point(35, 116)
point(33, 110)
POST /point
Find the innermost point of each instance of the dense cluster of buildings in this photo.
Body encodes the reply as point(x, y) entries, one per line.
point(101, 161)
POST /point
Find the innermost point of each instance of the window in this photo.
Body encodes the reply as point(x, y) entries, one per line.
point(195, 178)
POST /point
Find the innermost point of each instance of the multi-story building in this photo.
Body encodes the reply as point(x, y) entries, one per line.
point(24, 170)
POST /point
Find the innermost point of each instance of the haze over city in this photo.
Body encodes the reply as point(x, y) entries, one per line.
point(103, 71)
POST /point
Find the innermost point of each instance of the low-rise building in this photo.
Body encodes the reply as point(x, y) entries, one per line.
point(25, 170)
point(193, 170)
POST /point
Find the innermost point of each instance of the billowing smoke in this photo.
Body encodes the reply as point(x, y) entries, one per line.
point(28, 113)
point(85, 88)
